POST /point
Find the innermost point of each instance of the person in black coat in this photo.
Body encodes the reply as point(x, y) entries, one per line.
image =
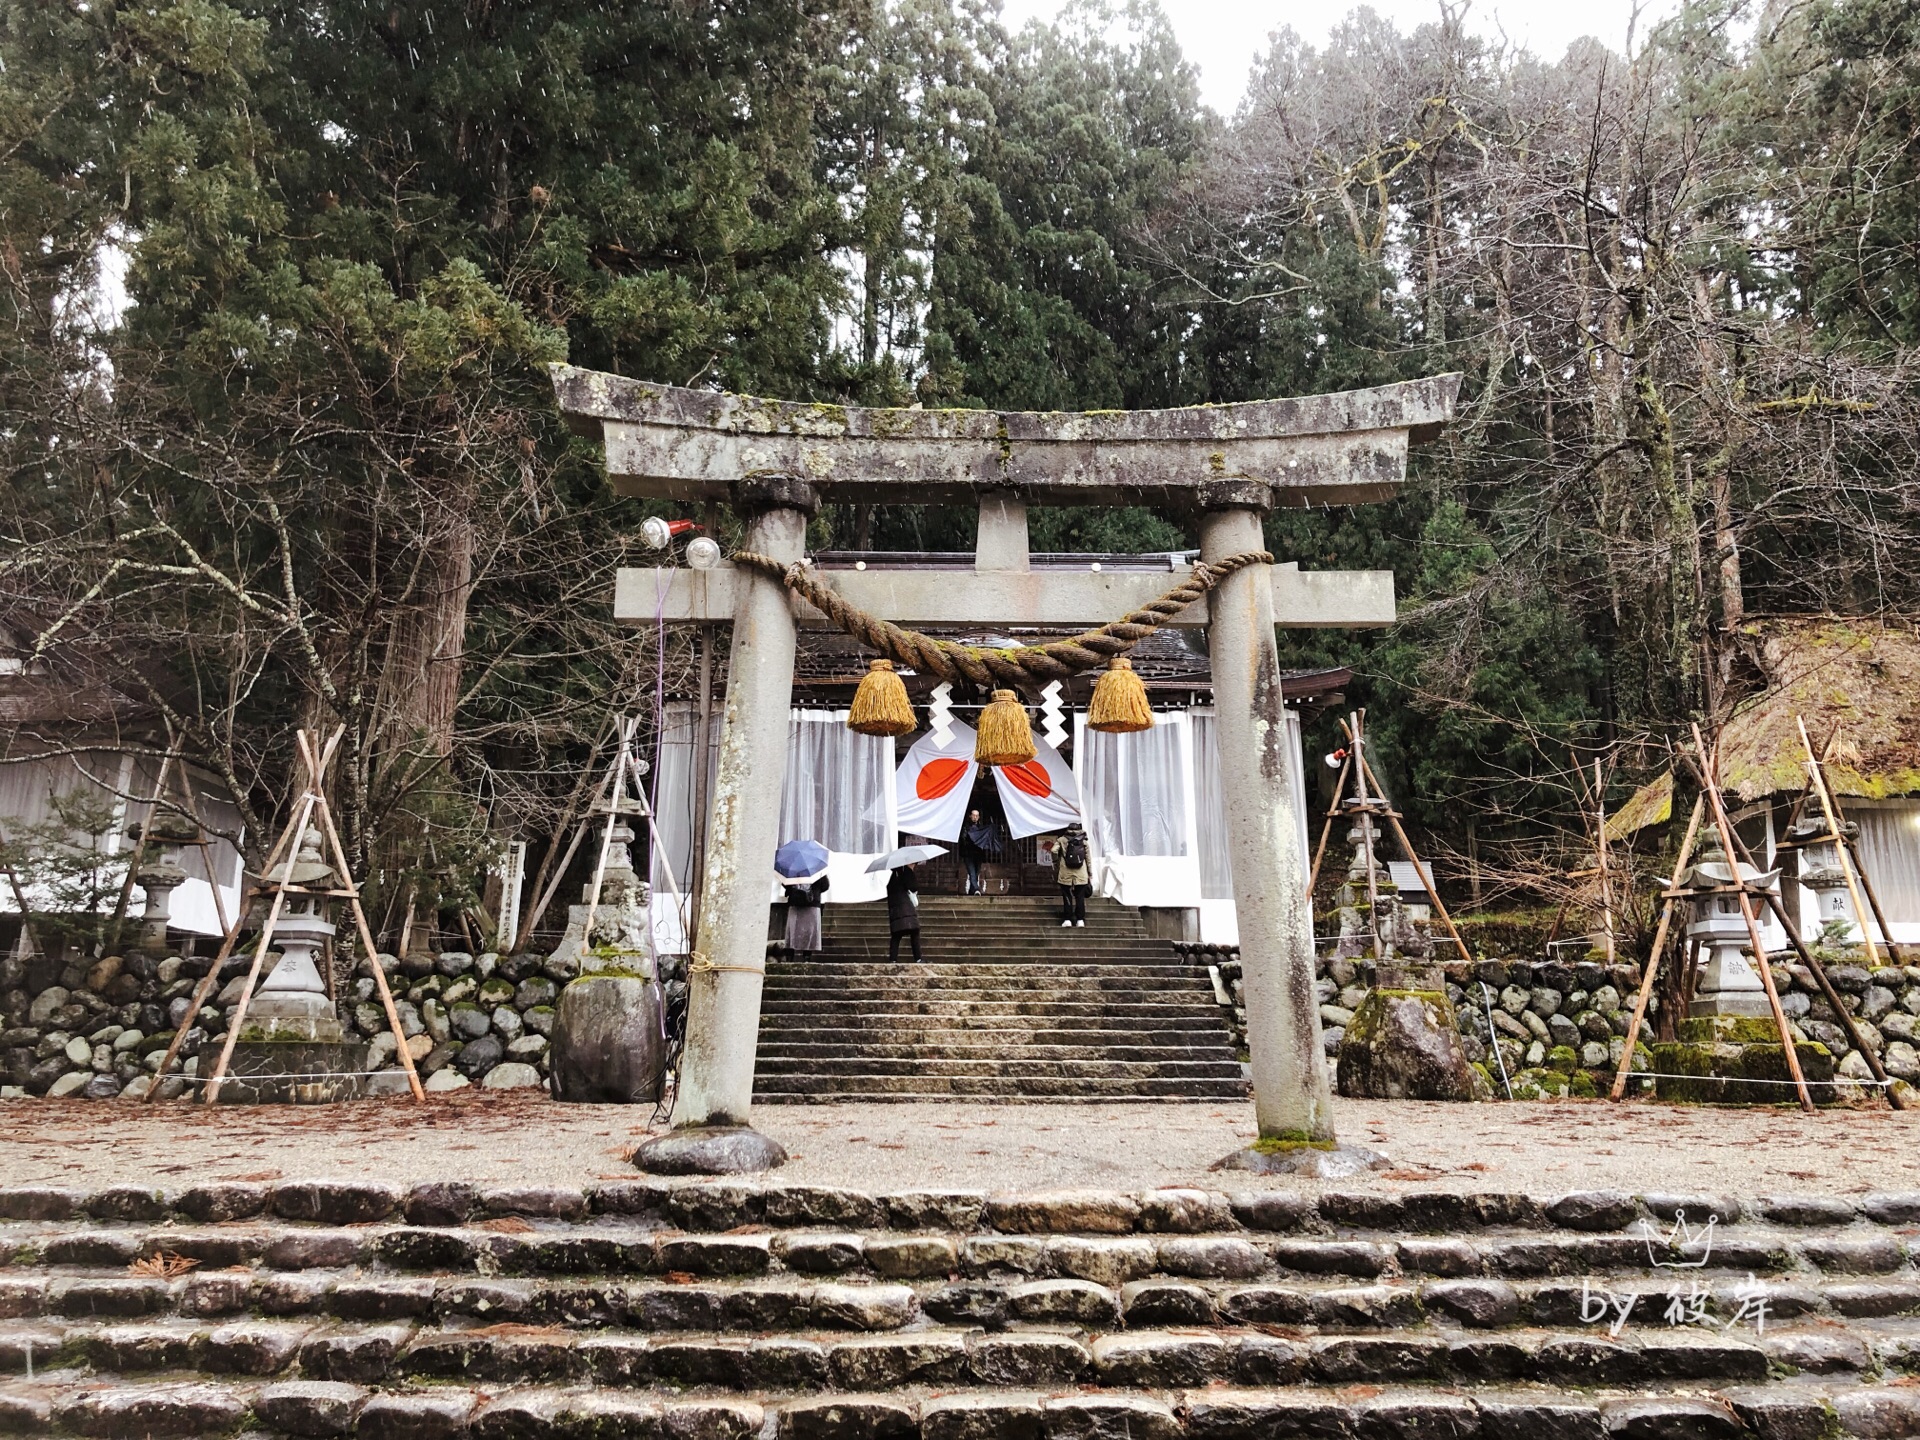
point(803, 918)
point(903, 911)
point(979, 842)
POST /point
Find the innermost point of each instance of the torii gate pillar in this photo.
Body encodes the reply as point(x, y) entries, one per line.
point(1292, 1103)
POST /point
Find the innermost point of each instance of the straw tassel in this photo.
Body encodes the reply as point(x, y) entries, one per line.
point(1119, 704)
point(1005, 737)
point(880, 705)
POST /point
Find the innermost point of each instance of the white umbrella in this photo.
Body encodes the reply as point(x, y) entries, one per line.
point(906, 855)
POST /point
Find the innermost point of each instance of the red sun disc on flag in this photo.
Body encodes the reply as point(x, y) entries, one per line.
point(937, 777)
point(1030, 777)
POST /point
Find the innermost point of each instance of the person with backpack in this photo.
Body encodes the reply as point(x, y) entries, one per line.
point(1072, 872)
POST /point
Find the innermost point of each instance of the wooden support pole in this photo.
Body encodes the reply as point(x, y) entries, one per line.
point(1710, 787)
point(1600, 854)
point(1361, 771)
point(1819, 972)
point(1326, 828)
point(1420, 869)
point(1659, 944)
point(616, 799)
point(1818, 776)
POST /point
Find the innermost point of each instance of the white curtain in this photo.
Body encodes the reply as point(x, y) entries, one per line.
point(839, 785)
point(673, 791)
point(1134, 788)
point(1210, 819)
point(1890, 853)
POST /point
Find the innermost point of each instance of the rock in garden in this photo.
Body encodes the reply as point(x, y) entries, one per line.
point(511, 1076)
point(480, 1055)
point(446, 1080)
point(607, 1045)
point(1404, 1045)
point(468, 1021)
point(70, 1084)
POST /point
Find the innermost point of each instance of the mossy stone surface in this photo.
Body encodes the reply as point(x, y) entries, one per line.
point(1726, 1030)
point(1404, 1045)
point(1692, 1073)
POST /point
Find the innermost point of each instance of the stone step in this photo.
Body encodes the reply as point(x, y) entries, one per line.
point(925, 1046)
point(1023, 1067)
point(1064, 1350)
point(934, 1086)
point(913, 1005)
point(1012, 970)
point(914, 1030)
point(1833, 1406)
point(840, 995)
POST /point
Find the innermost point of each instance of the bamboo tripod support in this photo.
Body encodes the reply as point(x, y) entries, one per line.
point(311, 806)
point(171, 763)
point(1856, 873)
point(1707, 762)
point(1672, 895)
point(1366, 805)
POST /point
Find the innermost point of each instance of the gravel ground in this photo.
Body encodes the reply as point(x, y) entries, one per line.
point(517, 1137)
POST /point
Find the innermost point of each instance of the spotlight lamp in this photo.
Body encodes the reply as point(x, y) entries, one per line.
point(703, 552)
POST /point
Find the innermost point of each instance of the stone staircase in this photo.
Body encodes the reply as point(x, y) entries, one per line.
point(721, 1311)
point(1008, 1005)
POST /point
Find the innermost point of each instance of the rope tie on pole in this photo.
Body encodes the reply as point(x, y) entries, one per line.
point(986, 668)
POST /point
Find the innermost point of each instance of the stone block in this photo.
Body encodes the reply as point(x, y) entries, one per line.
point(1417, 1417)
point(1775, 1413)
point(1027, 1358)
point(1355, 1307)
point(1104, 1262)
point(40, 1202)
point(968, 1304)
point(1165, 1302)
point(1853, 1255)
point(1272, 1210)
point(1806, 1209)
point(1684, 1355)
point(387, 1298)
point(1482, 1304)
point(996, 1255)
point(257, 1347)
point(1211, 1257)
point(1266, 1360)
point(911, 1257)
point(336, 1202)
point(1486, 1359)
point(1265, 1305)
point(1869, 1301)
point(1097, 1212)
point(1539, 1417)
point(819, 1254)
point(715, 1207)
point(861, 1307)
point(1367, 1359)
point(1076, 1302)
point(128, 1202)
point(981, 1417)
point(310, 1407)
point(821, 1205)
point(1185, 1212)
point(150, 1412)
point(357, 1356)
point(783, 1364)
point(1330, 1257)
point(1216, 1414)
point(718, 1362)
point(1812, 1352)
point(607, 1041)
point(1669, 1417)
point(219, 1203)
point(935, 1209)
point(707, 1420)
point(545, 1202)
point(713, 1254)
point(1159, 1360)
point(122, 1298)
point(848, 1417)
point(441, 1202)
point(1438, 1257)
point(1108, 1417)
point(887, 1362)
point(1593, 1210)
point(441, 1415)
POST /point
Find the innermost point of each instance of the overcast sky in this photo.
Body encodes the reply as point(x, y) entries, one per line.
point(1223, 36)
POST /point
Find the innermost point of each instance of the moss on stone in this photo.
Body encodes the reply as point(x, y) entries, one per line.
point(1288, 1141)
point(1564, 1059)
point(1693, 1073)
point(1581, 1087)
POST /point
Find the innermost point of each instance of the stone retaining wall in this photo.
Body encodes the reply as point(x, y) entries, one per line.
point(99, 1030)
point(1561, 1028)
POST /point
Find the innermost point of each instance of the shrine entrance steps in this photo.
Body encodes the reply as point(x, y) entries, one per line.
point(1008, 1007)
point(732, 1311)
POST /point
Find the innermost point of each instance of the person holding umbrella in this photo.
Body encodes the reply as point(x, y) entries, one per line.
point(978, 842)
point(802, 868)
point(903, 899)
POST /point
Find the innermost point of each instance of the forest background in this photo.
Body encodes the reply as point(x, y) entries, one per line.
point(277, 281)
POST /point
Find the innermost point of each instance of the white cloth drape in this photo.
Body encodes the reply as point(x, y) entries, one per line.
point(836, 785)
point(673, 802)
point(1133, 788)
point(1210, 809)
point(1890, 853)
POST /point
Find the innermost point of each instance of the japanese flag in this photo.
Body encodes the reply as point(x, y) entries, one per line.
point(934, 784)
point(1039, 795)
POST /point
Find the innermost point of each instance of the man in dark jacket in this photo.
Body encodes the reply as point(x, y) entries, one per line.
point(903, 911)
point(979, 842)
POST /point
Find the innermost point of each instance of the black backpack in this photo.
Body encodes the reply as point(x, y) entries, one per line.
point(1075, 853)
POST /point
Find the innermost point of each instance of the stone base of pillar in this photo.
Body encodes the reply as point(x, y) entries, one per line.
point(710, 1150)
point(290, 1070)
point(1305, 1159)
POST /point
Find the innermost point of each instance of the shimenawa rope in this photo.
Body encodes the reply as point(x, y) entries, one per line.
point(1027, 665)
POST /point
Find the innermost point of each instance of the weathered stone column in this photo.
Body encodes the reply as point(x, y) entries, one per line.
point(1291, 1099)
point(728, 970)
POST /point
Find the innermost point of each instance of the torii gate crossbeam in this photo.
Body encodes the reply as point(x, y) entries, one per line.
point(776, 460)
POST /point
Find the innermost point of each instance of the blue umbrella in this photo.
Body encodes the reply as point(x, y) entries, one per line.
point(800, 862)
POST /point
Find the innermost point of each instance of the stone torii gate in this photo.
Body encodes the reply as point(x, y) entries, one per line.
point(774, 461)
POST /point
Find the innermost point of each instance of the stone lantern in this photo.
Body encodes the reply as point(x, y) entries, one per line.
point(293, 1048)
point(1728, 984)
point(160, 874)
point(1823, 870)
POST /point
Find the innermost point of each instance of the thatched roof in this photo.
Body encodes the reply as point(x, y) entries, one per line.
point(1859, 678)
point(1855, 680)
